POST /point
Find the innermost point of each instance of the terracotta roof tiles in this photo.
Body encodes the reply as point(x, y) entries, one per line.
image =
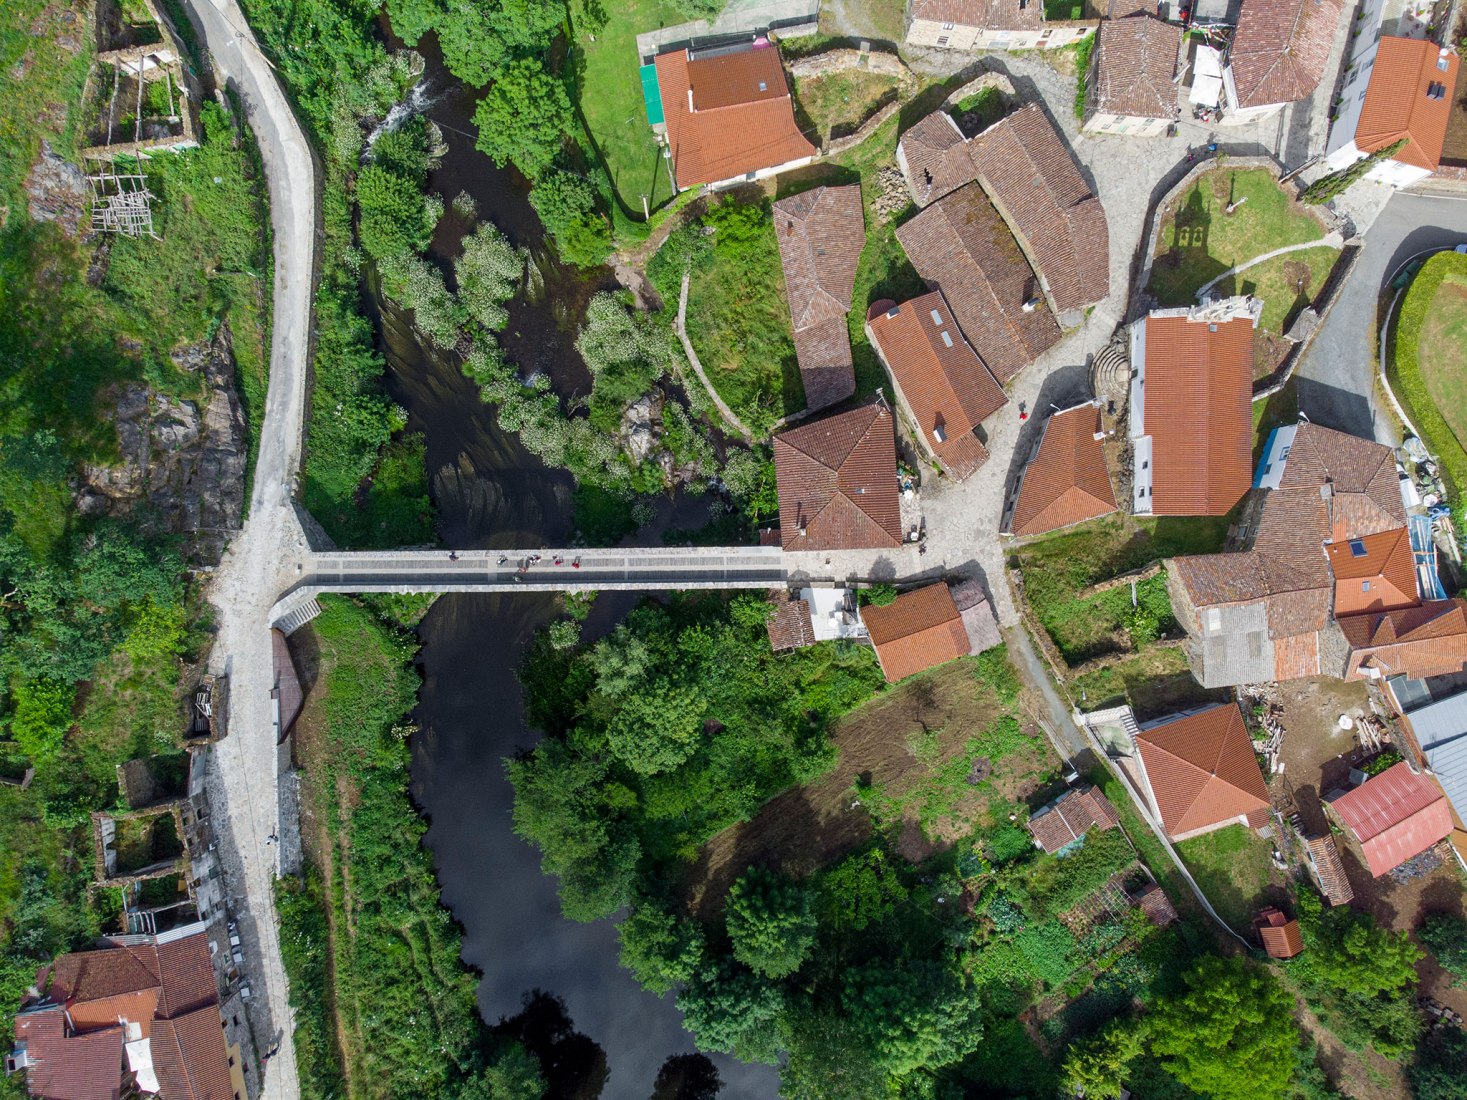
point(1156, 905)
point(1029, 173)
point(1070, 816)
point(67, 1066)
point(1280, 49)
point(1395, 815)
point(1135, 65)
point(1430, 640)
point(1198, 412)
point(720, 122)
point(789, 626)
point(1374, 573)
point(837, 481)
point(1201, 770)
point(962, 248)
point(1279, 934)
point(821, 234)
point(189, 1057)
point(916, 631)
point(1397, 104)
point(935, 157)
point(948, 390)
point(1066, 481)
point(1013, 15)
point(1329, 869)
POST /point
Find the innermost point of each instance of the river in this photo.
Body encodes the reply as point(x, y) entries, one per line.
point(490, 492)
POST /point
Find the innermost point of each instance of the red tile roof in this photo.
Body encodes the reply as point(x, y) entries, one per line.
point(1395, 815)
point(1013, 15)
point(1430, 640)
point(789, 626)
point(67, 1066)
point(1202, 770)
point(1066, 481)
point(821, 234)
point(1028, 171)
point(1070, 816)
point(934, 156)
point(1156, 905)
point(1365, 490)
point(1280, 49)
point(944, 383)
point(837, 481)
point(1199, 413)
point(189, 1057)
point(961, 247)
point(916, 631)
point(1135, 63)
point(720, 122)
point(1380, 577)
point(1398, 107)
point(1279, 935)
point(1329, 869)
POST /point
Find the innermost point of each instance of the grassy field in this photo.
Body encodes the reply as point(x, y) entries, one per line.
point(739, 323)
point(1234, 869)
point(1285, 283)
point(837, 103)
point(610, 96)
point(1199, 240)
point(883, 20)
point(1422, 335)
point(44, 51)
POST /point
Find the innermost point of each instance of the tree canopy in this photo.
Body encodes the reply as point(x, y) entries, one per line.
point(770, 923)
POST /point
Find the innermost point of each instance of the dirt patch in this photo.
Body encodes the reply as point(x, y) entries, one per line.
point(903, 745)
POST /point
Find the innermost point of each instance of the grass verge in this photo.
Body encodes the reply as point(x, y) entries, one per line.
point(1404, 365)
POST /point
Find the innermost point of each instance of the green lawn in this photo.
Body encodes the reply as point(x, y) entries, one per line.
point(1427, 360)
point(1199, 240)
point(1154, 683)
point(611, 97)
point(42, 79)
point(1285, 283)
point(1234, 869)
point(883, 20)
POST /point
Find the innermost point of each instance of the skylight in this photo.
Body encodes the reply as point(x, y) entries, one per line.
point(1357, 548)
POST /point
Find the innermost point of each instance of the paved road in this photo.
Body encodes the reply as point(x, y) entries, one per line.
point(1336, 378)
point(244, 790)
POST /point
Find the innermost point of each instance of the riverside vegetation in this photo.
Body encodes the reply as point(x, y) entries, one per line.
point(874, 975)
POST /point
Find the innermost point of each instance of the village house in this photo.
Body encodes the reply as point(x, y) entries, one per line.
point(1191, 412)
point(813, 615)
point(139, 1016)
point(1394, 816)
point(1065, 821)
point(1199, 773)
point(962, 249)
point(837, 481)
point(1133, 77)
point(993, 25)
point(1401, 91)
point(942, 386)
point(821, 234)
point(1065, 480)
point(930, 626)
point(725, 115)
point(1328, 583)
point(1278, 54)
point(1030, 176)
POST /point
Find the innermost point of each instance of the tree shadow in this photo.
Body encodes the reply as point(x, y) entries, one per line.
point(687, 1077)
point(573, 1066)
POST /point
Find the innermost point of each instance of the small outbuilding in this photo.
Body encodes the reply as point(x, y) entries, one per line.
point(925, 628)
point(1395, 815)
point(1278, 934)
point(1133, 77)
point(1069, 817)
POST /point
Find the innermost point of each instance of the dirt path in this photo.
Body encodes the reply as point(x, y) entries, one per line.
point(256, 842)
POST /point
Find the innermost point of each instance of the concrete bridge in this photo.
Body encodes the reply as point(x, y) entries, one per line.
point(535, 570)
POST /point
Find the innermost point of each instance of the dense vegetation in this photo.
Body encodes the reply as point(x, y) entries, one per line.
point(399, 1000)
point(97, 627)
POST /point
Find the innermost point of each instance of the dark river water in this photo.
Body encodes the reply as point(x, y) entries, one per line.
point(490, 492)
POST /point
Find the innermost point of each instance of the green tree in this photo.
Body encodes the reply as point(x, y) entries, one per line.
point(489, 273)
point(1440, 1066)
point(1231, 1035)
point(771, 923)
point(861, 890)
point(731, 1009)
point(620, 660)
point(657, 728)
point(512, 1074)
point(523, 118)
point(1096, 1067)
point(913, 1013)
point(879, 595)
point(41, 717)
point(1445, 936)
point(566, 204)
point(1355, 954)
point(395, 216)
point(658, 948)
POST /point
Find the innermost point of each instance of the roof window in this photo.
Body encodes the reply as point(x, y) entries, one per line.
point(763, 87)
point(1364, 586)
point(937, 318)
point(947, 338)
point(1357, 548)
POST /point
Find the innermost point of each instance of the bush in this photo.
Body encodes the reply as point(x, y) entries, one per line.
point(1083, 51)
point(878, 595)
point(396, 218)
point(1337, 183)
point(1405, 368)
point(1445, 936)
point(489, 273)
point(1440, 1066)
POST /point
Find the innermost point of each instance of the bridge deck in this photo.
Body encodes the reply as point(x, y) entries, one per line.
point(641, 569)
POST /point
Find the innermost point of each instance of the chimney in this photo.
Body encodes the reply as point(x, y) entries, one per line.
point(690, 99)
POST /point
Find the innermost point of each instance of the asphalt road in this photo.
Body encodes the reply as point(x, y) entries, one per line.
point(1337, 377)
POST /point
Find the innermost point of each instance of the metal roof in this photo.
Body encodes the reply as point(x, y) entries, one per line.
point(1441, 728)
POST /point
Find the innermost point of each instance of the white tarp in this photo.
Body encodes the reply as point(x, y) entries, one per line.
point(1207, 84)
point(140, 1061)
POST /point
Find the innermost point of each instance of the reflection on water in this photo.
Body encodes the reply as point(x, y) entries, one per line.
point(551, 981)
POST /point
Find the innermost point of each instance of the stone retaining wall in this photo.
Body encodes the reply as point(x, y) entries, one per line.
point(833, 61)
point(1265, 388)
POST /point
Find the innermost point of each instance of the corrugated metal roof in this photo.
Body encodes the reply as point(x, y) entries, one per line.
point(1441, 730)
point(1395, 815)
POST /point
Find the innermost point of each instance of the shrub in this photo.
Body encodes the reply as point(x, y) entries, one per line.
point(489, 273)
point(396, 218)
point(1445, 936)
point(770, 922)
point(1337, 183)
point(1082, 74)
point(878, 595)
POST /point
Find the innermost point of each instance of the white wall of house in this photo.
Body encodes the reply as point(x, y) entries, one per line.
point(1393, 173)
point(1360, 52)
point(955, 36)
point(761, 174)
point(1133, 125)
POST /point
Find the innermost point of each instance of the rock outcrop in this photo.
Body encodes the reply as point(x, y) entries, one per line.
point(181, 464)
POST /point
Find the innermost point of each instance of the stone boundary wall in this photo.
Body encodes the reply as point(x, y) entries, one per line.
point(1265, 388)
point(838, 60)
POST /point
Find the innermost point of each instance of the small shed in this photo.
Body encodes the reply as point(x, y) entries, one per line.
point(1279, 934)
